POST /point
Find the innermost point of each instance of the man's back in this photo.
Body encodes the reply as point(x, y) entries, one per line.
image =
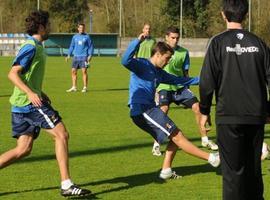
point(236, 68)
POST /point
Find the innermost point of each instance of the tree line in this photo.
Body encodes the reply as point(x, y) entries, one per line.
point(201, 18)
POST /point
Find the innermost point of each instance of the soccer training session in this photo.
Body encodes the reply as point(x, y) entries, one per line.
point(135, 99)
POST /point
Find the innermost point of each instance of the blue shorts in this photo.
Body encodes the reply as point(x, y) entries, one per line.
point(182, 96)
point(155, 122)
point(79, 62)
point(31, 123)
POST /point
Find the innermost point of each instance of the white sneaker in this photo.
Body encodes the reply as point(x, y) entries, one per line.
point(84, 89)
point(72, 89)
point(214, 159)
point(210, 145)
point(169, 175)
point(265, 151)
point(156, 151)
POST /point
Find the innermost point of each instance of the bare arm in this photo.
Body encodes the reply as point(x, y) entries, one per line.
point(14, 77)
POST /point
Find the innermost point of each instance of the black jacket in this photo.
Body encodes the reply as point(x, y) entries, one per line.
point(237, 68)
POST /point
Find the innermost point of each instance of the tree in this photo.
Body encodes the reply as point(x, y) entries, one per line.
point(11, 10)
point(66, 14)
point(201, 18)
point(194, 16)
point(260, 20)
point(215, 23)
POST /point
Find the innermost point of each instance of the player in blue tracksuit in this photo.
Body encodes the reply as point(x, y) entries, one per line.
point(82, 49)
point(146, 75)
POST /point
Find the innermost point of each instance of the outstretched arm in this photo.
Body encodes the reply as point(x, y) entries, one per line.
point(128, 59)
point(176, 80)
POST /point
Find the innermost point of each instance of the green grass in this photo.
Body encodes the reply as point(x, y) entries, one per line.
point(108, 154)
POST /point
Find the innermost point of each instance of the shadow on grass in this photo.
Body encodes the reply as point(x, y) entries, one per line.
point(92, 196)
point(5, 95)
point(149, 178)
point(95, 151)
point(131, 181)
point(267, 134)
point(109, 89)
point(89, 152)
point(177, 107)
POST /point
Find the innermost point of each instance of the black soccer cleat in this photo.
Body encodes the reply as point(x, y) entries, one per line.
point(75, 191)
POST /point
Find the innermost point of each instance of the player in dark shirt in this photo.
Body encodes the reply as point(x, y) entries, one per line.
point(237, 68)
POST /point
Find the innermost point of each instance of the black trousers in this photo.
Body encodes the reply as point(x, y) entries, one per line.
point(240, 149)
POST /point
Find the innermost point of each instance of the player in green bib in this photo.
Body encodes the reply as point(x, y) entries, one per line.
point(167, 94)
point(148, 43)
point(31, 109)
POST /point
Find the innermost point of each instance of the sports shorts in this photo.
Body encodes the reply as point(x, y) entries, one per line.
point(155, 122)
point(182, 96)
point(79, 62)
point(31, 123)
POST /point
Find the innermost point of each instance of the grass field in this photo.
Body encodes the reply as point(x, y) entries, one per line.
point(108, 154)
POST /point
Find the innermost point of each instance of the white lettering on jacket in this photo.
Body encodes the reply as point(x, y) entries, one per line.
point(240, 50)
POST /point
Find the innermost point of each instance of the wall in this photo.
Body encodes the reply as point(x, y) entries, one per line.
point(9, 44)
point(196, 46)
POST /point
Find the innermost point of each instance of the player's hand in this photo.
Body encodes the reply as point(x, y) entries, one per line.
point(67, 58)
point(204, 120)
point(35, 99)
point(141, 37)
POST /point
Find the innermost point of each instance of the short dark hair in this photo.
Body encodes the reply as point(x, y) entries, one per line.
point(172, 29)
point(36, 18)
point(81, 24)
point(235, 10)
point(162, 48)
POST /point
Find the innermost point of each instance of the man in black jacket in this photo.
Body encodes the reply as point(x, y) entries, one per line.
point(237, 68)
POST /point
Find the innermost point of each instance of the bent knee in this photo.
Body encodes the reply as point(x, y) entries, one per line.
point(23, 151)
point(63, 136)
point(177, 135)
